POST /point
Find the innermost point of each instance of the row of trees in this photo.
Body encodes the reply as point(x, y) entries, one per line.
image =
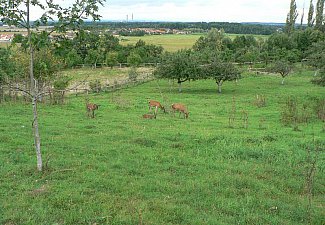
point(315, 18)
point(94, 48)
point(213, 56)
point(234, 28)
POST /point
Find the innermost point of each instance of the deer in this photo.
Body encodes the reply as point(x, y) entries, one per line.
point(156, 104)
point(181, 109)
point(91, 108)
point(149, 116)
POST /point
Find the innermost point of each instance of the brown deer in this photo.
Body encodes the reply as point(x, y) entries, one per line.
point(181, 109)
point(156, 104)
point(91, 108)
point(149, 116)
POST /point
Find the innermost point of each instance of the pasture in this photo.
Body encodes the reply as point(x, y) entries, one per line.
point(119, 168)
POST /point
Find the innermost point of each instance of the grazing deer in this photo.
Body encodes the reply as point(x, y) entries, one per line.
point(156, 104)
point(181, 109)
point(91, 108)
point(149, 116)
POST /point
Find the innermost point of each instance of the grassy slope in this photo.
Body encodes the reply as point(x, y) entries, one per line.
point(118, 166)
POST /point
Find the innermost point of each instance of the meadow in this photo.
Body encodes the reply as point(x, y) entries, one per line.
point(119, 168)
point(173, 42)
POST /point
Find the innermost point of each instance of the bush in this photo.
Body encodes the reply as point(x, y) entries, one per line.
point(95, 86)
point(133, 74)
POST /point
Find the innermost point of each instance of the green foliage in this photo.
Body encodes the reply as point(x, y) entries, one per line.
point(316, 58)
point(7, 66)
point(93, 57)
point(247, 55)
point(61, 82)
point(95, 86)
point(46, 65)
point(319, 19)
point(316, 55)
point(221, 71)
point(212, 41)
point(280, 40)
point(310, 19)
point(291, 18)
point(134, 59)
point(111, 59)
point(244, 41)
point(281, 67)
point(182, 65)
point(72, 58)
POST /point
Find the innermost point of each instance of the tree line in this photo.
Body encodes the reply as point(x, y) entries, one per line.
point(215, 56)
point(234, 28)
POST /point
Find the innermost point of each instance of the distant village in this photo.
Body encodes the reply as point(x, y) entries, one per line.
point(7, 33)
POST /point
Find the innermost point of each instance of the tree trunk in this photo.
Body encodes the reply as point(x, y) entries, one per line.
point(34, 94)
point(179, 86)
point(1, 93)
point(37, 139)
point(219, 86)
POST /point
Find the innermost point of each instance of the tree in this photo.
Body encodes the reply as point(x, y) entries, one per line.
point(182, 66)
point(311, 19)
point(93, 57)
point(319, 14)
point(213, 41)
point(18, 13)
point(291, 18)
point(7, 68)
point(316, 58)
point(221, 72)
point(111, 59)
point(134, 59)
point(281, 67)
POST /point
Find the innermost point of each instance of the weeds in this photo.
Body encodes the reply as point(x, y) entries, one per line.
point(232, 113)
point(260, 101)
point(313, 153)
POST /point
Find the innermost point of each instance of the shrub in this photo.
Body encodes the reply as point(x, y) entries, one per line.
point(95, 86)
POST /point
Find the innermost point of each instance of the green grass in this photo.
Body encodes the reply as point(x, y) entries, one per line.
point(172, 42)
point(118, 167)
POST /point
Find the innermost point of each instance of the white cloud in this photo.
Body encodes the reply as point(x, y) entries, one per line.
point(195, 10)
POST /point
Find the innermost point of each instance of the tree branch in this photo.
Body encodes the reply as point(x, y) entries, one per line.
point(18, 89)
point(69, 89)
point(181, 81)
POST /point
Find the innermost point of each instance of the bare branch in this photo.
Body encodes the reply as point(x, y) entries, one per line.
point(18, 89)
point(69, 89)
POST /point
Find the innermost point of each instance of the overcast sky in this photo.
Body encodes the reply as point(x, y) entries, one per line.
point(199, 10)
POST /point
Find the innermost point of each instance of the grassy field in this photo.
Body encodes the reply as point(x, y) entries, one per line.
point(174, 42)
point(170, 43)
point(119, 168)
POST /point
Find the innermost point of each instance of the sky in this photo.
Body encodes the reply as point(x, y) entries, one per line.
point(198, 10)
